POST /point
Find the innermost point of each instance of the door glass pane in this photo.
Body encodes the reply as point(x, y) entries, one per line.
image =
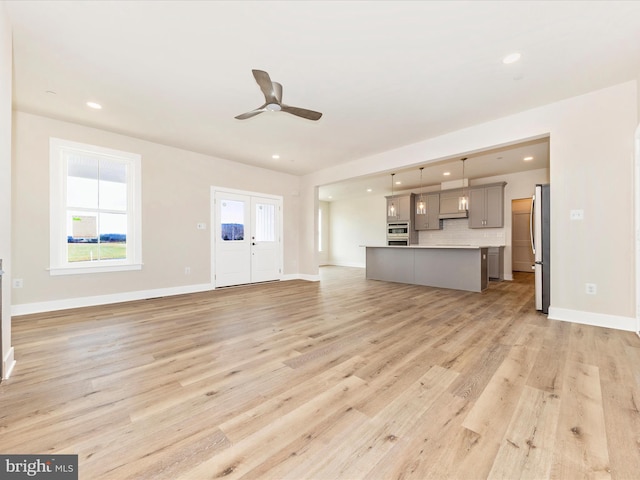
point(265, 222)
point(232, 220)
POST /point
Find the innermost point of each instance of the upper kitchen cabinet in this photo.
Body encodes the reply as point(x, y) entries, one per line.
point(450, 204)
point(431, 219)
point(486, 206)
point(404, 207)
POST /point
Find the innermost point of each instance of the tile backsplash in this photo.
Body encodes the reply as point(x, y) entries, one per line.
point(456, 231)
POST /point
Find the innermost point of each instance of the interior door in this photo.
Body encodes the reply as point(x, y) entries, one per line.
point(521, 254)
point(247, 244)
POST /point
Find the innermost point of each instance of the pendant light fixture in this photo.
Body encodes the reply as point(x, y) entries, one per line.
point(392, 206)
point(421, 206)
point(463, 201)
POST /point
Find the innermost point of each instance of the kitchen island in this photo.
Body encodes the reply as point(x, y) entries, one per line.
point(461, 267)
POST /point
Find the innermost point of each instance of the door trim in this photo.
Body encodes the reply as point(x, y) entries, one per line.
point(637, 223)
point(212, 223)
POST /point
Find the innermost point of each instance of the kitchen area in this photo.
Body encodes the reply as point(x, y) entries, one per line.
point(447, 224)
point(451, 264)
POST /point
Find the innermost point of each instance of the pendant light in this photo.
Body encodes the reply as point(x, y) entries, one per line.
point(392, 207)
point(421, 206)
point(463, 201)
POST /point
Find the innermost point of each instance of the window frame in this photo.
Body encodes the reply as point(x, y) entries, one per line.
point(58, 244)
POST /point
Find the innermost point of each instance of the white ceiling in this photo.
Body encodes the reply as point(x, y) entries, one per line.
point(385, 74)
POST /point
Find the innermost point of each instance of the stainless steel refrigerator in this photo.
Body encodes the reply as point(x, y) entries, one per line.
point(540, 226)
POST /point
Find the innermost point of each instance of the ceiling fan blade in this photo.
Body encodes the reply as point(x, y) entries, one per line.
point(266, 85)
point(301, 112)
point(277, 90)
point(250, 114)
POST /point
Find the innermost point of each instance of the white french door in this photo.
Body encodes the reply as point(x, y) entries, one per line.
point(247, 245)
point(265, 239)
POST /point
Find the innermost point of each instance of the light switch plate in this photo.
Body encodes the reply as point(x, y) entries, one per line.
point(576, 214)
point(201, 226)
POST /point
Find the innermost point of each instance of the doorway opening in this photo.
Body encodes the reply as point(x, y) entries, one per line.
point(521, 248)
point(246, 237)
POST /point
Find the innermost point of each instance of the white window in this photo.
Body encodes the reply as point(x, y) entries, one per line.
point(95, 209)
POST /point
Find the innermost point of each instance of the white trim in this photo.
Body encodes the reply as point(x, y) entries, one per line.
point(346, 264)
point(637, 224)
point(508, 277)
point(39, 307)
point(301, 276)
point(102, 268)
point(8, 363)
point(595, 319)
point(212, 222)
point(58, 208)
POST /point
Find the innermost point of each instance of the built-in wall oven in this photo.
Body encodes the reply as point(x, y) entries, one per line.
point(398, 233)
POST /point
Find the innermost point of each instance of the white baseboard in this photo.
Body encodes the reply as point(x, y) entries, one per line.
point(67, 303)
point(347, 264)
point(508, 277)
point(39, 307)
point(8, 362)
point(595, 319)
point(301, 276)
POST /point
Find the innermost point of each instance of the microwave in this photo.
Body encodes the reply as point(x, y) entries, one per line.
point(399, 230)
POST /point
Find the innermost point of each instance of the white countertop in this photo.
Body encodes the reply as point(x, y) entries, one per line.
point(431, 246)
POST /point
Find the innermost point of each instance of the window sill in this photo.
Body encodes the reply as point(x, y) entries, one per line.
point(53, 271)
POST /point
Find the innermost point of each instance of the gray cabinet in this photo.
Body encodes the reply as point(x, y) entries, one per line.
point(405, 208)
point(431, 219)
point(486, 206)
point(445, 267)
point(450, 204)
point(495, 263)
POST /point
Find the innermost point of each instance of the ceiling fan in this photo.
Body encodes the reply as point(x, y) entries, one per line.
point(273, 100)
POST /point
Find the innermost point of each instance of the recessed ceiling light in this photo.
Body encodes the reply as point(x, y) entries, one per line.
point(94, 105)
point(398, 182)
point(275, 156)
point(511, 58)
point(527, 159)
point(330, 197)
point(369, 190)
point(446, 174)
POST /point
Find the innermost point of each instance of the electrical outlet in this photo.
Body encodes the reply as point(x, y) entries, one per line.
point(187, 270)
point(590, 288)
point(18, 283)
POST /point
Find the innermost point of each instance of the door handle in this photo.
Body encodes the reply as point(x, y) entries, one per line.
point(533, 245)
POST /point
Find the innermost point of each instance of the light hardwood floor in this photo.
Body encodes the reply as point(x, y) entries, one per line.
point(339, 379)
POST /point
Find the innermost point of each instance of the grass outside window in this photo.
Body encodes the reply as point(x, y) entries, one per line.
point(87, 252)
